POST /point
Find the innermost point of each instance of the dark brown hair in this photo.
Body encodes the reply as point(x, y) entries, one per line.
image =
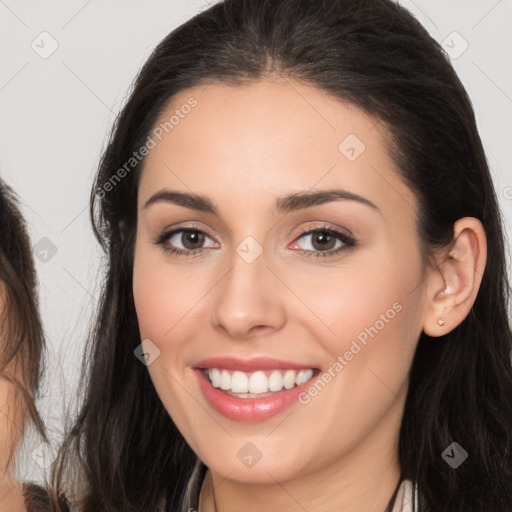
point(124, 452)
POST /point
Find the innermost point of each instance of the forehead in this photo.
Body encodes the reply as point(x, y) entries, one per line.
point(269, 138)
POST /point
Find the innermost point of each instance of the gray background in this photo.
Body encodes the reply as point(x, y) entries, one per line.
point(57, 110)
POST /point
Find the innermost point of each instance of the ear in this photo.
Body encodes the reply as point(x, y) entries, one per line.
point(453, 285)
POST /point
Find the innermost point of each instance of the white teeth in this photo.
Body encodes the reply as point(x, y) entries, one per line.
point(257, 382)
point(214, 375)
point(240, 383)
point(225, 380)
point(289, 379)
point(275, 381)
point(304, 376)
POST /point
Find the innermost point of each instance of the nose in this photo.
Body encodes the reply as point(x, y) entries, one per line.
point(248, 302)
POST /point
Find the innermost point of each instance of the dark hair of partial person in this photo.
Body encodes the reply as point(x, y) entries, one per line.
point(124, 453)
point(22, 341)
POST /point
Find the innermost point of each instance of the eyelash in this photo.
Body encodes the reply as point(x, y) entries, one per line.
point(348, 241)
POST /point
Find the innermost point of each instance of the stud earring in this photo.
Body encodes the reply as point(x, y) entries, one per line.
point(440, 322)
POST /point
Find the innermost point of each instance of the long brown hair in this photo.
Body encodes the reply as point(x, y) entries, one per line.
point(22, 342)
point(124, 453)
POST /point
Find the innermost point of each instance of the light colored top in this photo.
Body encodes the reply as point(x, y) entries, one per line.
point(407, 494)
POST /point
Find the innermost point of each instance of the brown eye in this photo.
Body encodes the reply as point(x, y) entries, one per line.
point(323, 241)
point(192, 239)
point(185, 241)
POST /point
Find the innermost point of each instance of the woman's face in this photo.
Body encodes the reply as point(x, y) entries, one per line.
point(276, 273)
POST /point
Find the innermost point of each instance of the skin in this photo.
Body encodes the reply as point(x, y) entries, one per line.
point(11, 492)
point(11, 421)
point(244, 147)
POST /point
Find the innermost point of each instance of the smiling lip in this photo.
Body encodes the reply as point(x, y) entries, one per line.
point(250, 409)
point(249, 365)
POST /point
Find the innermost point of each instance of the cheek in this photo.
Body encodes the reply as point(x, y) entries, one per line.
point(361, 298)
point(162, 294)
point(169, 303)
point(368, 319)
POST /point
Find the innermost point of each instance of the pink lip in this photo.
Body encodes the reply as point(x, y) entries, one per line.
point(250, 409)
point(249, 365)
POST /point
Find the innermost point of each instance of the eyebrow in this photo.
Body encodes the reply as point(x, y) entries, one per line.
point(297, 201)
